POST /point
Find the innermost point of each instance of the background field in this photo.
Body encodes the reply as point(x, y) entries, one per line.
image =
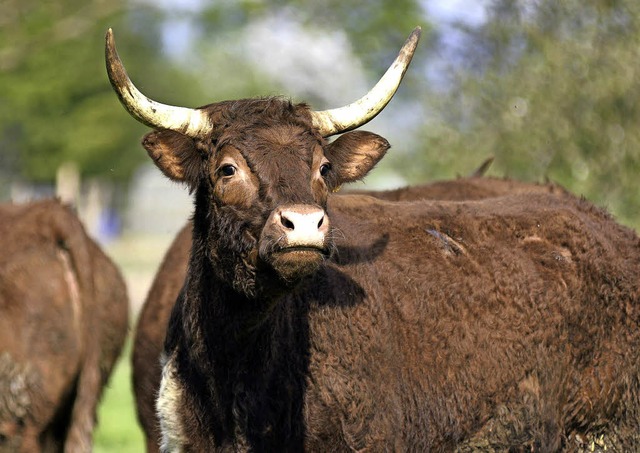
point(118, 429)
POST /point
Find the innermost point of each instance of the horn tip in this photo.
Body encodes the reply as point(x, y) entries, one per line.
point(415, 34)
point(109, 39)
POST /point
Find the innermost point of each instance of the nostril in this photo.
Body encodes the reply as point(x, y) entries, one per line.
point(288, 224)
point(323, 225)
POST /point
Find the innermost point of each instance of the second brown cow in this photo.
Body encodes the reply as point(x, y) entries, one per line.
point(63, 322)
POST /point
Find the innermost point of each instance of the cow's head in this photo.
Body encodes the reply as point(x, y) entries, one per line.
point(262, 171)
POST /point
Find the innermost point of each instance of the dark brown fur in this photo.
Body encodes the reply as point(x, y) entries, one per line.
point(506, 323)
point(63, 324)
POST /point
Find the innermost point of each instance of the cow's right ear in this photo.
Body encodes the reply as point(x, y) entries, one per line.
point(176, 155)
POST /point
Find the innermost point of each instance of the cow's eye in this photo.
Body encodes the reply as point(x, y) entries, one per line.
point(324, 169)
point(227, 170)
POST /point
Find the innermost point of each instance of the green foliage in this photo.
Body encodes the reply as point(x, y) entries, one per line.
point(56, 103)
point(552, 90)
point(53, 96)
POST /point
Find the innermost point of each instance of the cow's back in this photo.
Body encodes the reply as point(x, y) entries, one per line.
point(436, 312)
point(461, 189)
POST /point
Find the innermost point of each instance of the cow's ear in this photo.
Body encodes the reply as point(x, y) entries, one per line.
point(354, 154)
point(177, 155)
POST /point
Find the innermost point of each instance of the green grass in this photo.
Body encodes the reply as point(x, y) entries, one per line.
point(118, 429)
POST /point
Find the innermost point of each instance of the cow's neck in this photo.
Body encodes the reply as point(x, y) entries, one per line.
point(251, 356)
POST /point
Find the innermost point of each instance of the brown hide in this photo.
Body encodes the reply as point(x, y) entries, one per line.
point(523, 330)
point(63, 324)
point(152, 321)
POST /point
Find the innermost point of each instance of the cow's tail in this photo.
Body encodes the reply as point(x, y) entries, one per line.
point(83, 418)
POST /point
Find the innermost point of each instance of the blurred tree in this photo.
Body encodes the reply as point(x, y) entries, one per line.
point(56, 104)
point(552, 89)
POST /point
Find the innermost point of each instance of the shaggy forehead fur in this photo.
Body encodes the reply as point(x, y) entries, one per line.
point(277, 141)
point(257, 113)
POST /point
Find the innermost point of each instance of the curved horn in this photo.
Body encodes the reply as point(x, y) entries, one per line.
point(191, 122)
point(349, 117)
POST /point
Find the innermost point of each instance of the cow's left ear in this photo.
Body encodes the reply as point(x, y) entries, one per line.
point(353, 155)
point(177, 155)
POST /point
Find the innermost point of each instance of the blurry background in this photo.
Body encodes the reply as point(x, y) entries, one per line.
point(551, 89)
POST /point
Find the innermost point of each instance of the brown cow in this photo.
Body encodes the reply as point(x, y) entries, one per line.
point(154, 315)
point(64, 320)
point(333, 323)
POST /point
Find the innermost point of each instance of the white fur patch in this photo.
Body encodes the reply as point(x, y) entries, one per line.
point(169, 400)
